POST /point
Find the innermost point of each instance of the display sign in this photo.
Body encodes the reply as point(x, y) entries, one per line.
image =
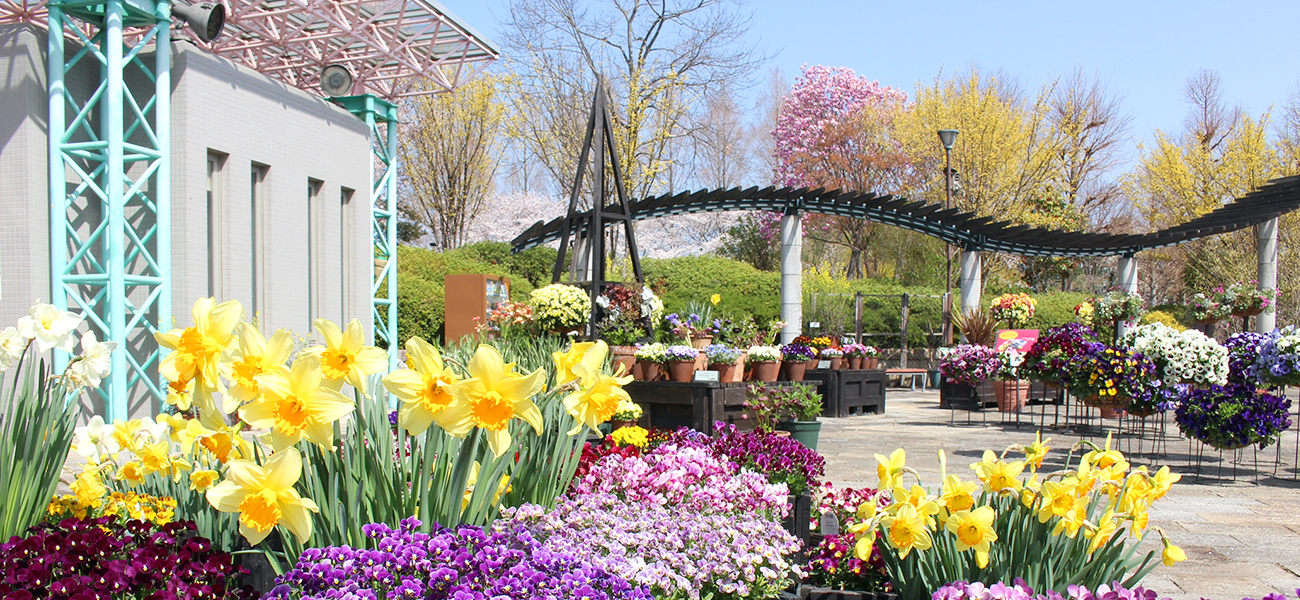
point(823, 364)
point(1020, 340)
point(706, 376)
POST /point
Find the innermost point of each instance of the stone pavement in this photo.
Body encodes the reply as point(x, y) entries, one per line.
point(1236, 516)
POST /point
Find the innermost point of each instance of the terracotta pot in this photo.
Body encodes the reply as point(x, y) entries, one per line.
point(681, 370)
point(702, 341)
point(1108, 412)
point(726, 373)
point(871, 363)
point(1011, 395)
point(616, 425)
point(793, 370)
point(765, 371)
point(855, 363)
point(650, 371)
point(837, 363)
point(738, 375)
point(622, 355)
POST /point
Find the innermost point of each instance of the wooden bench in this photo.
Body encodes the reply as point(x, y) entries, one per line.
point(910, 373)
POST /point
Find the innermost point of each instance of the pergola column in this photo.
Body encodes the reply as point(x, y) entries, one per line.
point(1266, 276)
point(970, 280)
point(791, 275)
point(1128, 281)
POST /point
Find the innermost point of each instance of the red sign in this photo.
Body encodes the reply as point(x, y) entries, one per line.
point(1020, 340)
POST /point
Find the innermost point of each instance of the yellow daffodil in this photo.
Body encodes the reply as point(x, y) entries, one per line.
point(297, 406)
point(492, 397)
point(715, 299)
point(998, 475)
point(424, 389)
point(866, 539)
point(503, 486)
point(598, 395)
point(1058, 500)
point(1105, 458)
point(907, 530)
point(89, 487)
point(1035, 452)
point(1071, 523)
point(566, 361)
point(202, 480)
point(1162, 481)
point(958, 495)
point(197, 350)
point(264, 496)
point(180, 393)
point(1172, 554)
point(919, 500)
point(890, 470)
point(867, 511)
point(255, 356)
point(132, 473)
point(1029, 492)
point(973, 529)
point(1106, 527)
point(345, 357)
point(1139, 518)
point(155, 456)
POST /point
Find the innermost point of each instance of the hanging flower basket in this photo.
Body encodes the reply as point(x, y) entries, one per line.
point(1115, 402)
point(1249, 312)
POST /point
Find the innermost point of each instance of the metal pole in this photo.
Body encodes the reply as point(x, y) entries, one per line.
point(390, 235)
point(115, 200)
point(906, 311)
point(791, 275)
point(947, 248)
point(57, 170)
point(163, 177)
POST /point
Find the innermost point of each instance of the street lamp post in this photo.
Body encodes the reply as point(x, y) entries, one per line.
point(947, 137)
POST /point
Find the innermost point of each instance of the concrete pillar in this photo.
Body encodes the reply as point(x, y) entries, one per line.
point(791, 276)
point(1127, 279)
point(1266, 276)
point(970, 280)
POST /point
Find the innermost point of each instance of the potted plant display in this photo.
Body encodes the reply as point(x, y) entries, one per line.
point(650, 359)
point(560, 309)
point(801, 407)
point(626, 415)
point(1246, 299)
point(1011, 391)
point(723, 359)
point(681, 362)
point(836, 356)
point(765, 363)
point(1110, 378)
point(794, 361)
point(1233, 416)
point(963, 368)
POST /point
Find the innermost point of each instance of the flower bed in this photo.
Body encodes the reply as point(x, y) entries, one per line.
point(1181, 356)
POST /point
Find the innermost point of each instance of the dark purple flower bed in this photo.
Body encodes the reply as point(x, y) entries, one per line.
point(780, 459)
point(100, 559)
point(1233, 416)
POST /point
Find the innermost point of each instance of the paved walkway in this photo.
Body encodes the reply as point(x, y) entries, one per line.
point(1238, 519)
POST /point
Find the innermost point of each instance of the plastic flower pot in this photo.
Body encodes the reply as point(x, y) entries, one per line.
point(1011, 395)
point(837, 363)
point(681, 370)
point(622, 355)
point(855, 363)
point(792, 370)
point(804, 432)
point(765, 371)
point(726, 373)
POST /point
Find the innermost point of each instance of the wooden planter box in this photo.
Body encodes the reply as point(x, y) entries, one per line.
point(695, 404)
point(819, 593)
point(849, 392)
point(967, 397)
point(797, 522)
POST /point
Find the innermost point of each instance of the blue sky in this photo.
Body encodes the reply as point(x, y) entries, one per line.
point(1143, 50)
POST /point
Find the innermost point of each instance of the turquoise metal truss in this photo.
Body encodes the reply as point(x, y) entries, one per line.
point(381, 117)
point(110, 184)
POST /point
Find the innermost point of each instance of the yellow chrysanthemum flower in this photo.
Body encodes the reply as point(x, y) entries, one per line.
point(424, 389)
point(297, 406)
point(492, 397)
point(255, 356)
point(264, 496)
point(345, 357)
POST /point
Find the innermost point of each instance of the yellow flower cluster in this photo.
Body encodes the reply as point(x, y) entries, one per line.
point(1062, 497)
point(129, 505)
point(559, 306)
point(631, 436)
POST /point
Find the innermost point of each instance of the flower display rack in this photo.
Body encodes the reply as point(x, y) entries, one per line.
point(694, 404)
point(849, 392)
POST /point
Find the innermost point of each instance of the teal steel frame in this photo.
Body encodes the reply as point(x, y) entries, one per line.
point(381, 117)
point(110, 186)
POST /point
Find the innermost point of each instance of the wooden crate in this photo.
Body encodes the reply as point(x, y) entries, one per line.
point(694, 404)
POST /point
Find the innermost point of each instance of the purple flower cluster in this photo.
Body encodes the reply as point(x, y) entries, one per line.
point(970, 364)
point(1279, 357)
point(466, 563)
point(1019, 590)
point(1243, 354)
point(797, 353)
point(691, 478)
point(1051, 359)
point(676, 553)
point(780, 459)
point(1233, 416)
point(85, 559)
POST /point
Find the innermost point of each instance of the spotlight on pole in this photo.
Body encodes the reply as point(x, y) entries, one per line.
point(206, 19)
point(948, 136)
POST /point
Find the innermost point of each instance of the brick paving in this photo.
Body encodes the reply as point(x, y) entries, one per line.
point(1237, 515)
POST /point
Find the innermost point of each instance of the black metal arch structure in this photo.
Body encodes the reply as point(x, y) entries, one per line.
point(966, 230)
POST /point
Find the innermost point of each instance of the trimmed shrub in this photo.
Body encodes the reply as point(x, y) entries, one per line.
point(744, 289)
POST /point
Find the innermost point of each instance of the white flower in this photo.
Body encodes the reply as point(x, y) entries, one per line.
point(49, 327)
point(94, 363)
point(93, 436)
point(11, 347)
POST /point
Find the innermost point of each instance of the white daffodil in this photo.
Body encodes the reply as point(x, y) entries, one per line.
point(94, 363)
point(11, 346)
point(49, 327)
point(94, 437)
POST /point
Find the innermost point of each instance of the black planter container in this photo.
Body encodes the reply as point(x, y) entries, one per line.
point(830, 594)
point(797, 521)
point(967, 397)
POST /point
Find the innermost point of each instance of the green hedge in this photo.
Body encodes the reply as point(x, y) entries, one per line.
point(420, 273)
point(744, 289)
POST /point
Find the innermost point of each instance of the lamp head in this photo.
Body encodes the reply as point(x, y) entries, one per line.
point(206, 19)
point(948, 136)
